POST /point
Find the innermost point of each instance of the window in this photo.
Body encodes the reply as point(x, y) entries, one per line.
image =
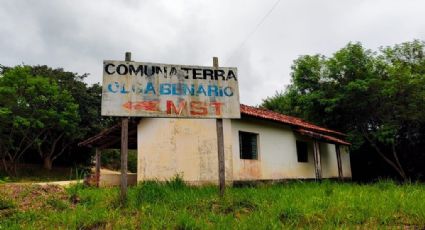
point(248, 145)
point(302, 151)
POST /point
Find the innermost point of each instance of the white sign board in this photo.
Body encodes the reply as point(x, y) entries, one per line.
point(139, 89)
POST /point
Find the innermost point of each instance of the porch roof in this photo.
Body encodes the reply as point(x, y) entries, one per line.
point(321, 137)
point(111, 137)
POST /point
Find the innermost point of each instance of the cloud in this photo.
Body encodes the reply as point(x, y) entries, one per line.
point(78, 35)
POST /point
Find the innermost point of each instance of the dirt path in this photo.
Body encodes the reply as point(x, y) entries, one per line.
point(67, 182)
point(60, 183)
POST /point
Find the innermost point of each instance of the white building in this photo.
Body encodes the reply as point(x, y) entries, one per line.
point(262, 145)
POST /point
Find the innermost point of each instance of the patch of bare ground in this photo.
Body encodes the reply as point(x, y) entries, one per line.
point(24, 197)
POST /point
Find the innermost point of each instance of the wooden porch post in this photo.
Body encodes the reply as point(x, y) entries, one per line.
point(220, 146)
point(97, 172)
point(339, 162)
point(317, 163)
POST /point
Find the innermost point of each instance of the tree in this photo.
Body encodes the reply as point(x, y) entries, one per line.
point(35, 112)
point(88, 99)
point(377, 98)
point(16, 134)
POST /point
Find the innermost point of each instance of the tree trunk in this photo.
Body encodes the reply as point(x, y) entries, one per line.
point(5, 168)
point(402, 172)
point(397, 167)
point(15, 168)
point(47, 163)
point(10, 166)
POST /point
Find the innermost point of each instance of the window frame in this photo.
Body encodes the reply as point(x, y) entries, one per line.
point(257, 148)
point(300, 158)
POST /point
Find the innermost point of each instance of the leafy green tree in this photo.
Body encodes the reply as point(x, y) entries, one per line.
point(34, 113)
point(16, 131)
point(88, 99)
point(375, 97)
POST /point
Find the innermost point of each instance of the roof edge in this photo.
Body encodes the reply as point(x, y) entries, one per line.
point(285, 119)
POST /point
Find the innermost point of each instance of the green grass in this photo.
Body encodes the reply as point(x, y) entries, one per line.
point(151, 205)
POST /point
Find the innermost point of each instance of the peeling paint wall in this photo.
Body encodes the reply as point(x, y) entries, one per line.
point(141, 89)
point(277, 154)
point(168, 146)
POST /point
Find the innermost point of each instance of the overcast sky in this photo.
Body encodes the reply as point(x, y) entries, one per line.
point(79, 35)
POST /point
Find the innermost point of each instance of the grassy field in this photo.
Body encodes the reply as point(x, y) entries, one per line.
point(173, 205)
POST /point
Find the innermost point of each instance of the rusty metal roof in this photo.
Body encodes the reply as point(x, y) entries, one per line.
point(111, 137)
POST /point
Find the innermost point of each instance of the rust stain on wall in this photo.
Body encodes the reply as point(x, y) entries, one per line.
point(250, 169)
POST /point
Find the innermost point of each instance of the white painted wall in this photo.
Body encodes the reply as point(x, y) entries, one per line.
point(277, 157)
point(345, 159)
point(168, 146)
point(329, 160)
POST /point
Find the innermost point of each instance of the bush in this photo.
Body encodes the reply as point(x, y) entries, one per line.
point(4, 179)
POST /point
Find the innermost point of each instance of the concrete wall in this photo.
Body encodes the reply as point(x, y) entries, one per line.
point(188, 147)
point(277, 155)
point(345, 159)
point(329, 160)
point(113, 179)
point(167, 147)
